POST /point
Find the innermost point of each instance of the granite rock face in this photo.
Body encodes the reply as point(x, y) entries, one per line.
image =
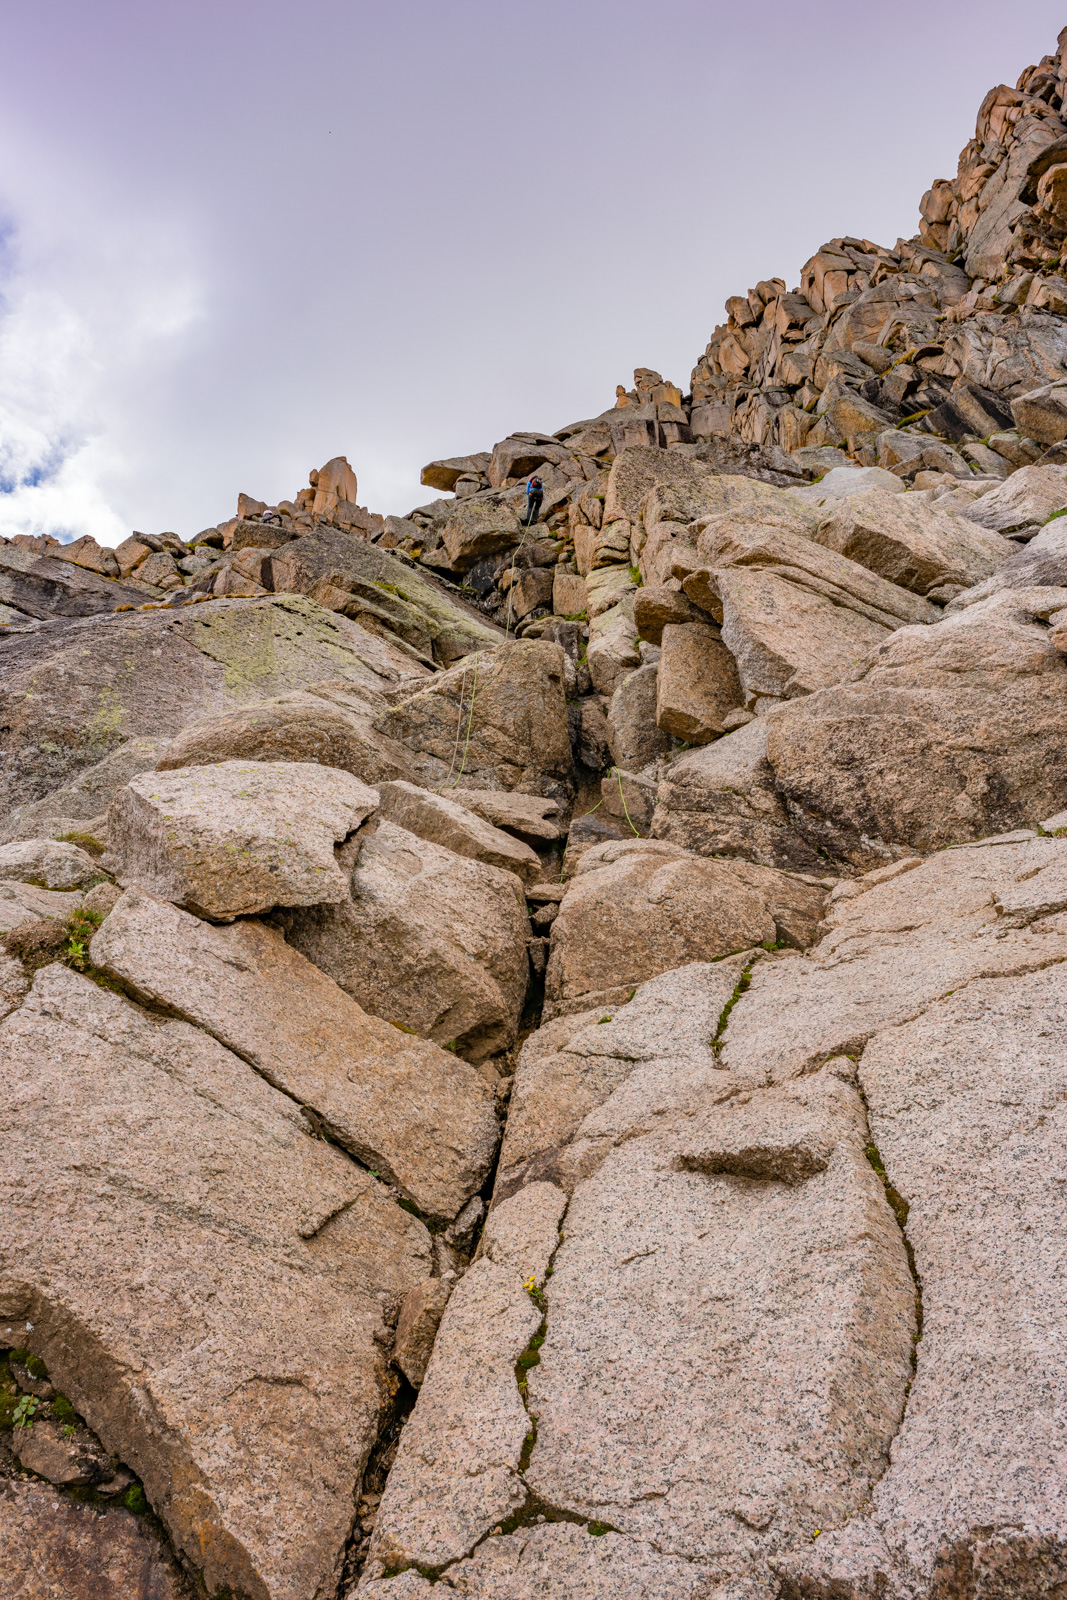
point(54, 1546)
point(329, 723)
point(966, 1110)
point(398, 1103)
point(425, 939)
point(496, 722)
point(239, 836)
point(443, 820)
point(645, 906)
point(98, 695)
point(948, 733)
point(761, 1299)
point(47, 863)
point(722, 800)
point(164, 1188)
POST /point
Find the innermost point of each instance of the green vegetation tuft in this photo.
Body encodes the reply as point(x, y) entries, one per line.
point(85, 841)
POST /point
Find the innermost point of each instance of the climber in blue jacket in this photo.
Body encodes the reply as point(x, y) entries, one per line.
point(535, 493)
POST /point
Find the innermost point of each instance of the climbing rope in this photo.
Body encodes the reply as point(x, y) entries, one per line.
point(459, 729)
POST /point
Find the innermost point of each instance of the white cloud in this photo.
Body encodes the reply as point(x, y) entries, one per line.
point(82, 318)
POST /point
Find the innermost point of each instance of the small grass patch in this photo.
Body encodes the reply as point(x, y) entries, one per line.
point(85, 841)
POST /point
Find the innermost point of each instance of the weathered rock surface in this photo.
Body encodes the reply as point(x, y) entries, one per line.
point(697, 682)
point(380, 592)
point(425, 939)
point(634, 736)
point(457, 1470)
point(527, 816)
point(496, 721)
point(25, 902)
point(966, 1106)
point(912, 544)
point(42, 587)
point(950, 733)
point(906, 934)
point(795, 617)
point(48, 863)
point(203, 1280)
point(569, 1562)
point(1026, 500)
point(721, 800)
point(656, 605)
point(400, 1104)
point(417, 1325)
point(523, 1231)
point(51, 1546)
point(644, 1267)
point(635, 909)
point(238, 837)
point(78, 694)
point(329, 723)
point(739, 1385)
point(443, 820)
point(612, 651)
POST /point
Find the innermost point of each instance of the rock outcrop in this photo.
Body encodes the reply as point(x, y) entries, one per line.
point(532, 1056)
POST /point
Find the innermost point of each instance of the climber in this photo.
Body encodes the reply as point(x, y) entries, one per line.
point(535, 493)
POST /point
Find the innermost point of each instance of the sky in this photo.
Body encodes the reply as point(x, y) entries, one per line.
point(237, 239)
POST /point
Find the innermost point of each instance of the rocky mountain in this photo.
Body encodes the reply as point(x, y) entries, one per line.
point(532, 1057)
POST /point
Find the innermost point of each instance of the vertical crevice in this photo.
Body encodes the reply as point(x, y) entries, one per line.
point(382, 1456)
point(900, 1209)
point(742, 984)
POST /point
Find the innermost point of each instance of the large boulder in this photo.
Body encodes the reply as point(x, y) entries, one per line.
point(633, 734)
point(104, 692)
point(238, 837)
point(329, 723)
point(444, 821)
point(1022, 502)
point(639, 907)
point(382, 592)
point(425, 939)
point(211, 1288)
point(950, 733)
point(497, 721)
point(612, 652)
point(697, 682)
point(723, 1325)
point(794, 616)
point(1042, 414)
point(479, 528)
point(527, 816)
point(47, 862)
point(446, 474)
point(912, 544)
point(401, 1105)
point(720, 800)
point(43, 587)
point(27, 902)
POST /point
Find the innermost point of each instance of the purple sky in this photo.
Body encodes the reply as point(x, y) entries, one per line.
point(237, 239)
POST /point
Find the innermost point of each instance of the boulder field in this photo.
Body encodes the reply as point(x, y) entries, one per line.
point(533, 1060)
